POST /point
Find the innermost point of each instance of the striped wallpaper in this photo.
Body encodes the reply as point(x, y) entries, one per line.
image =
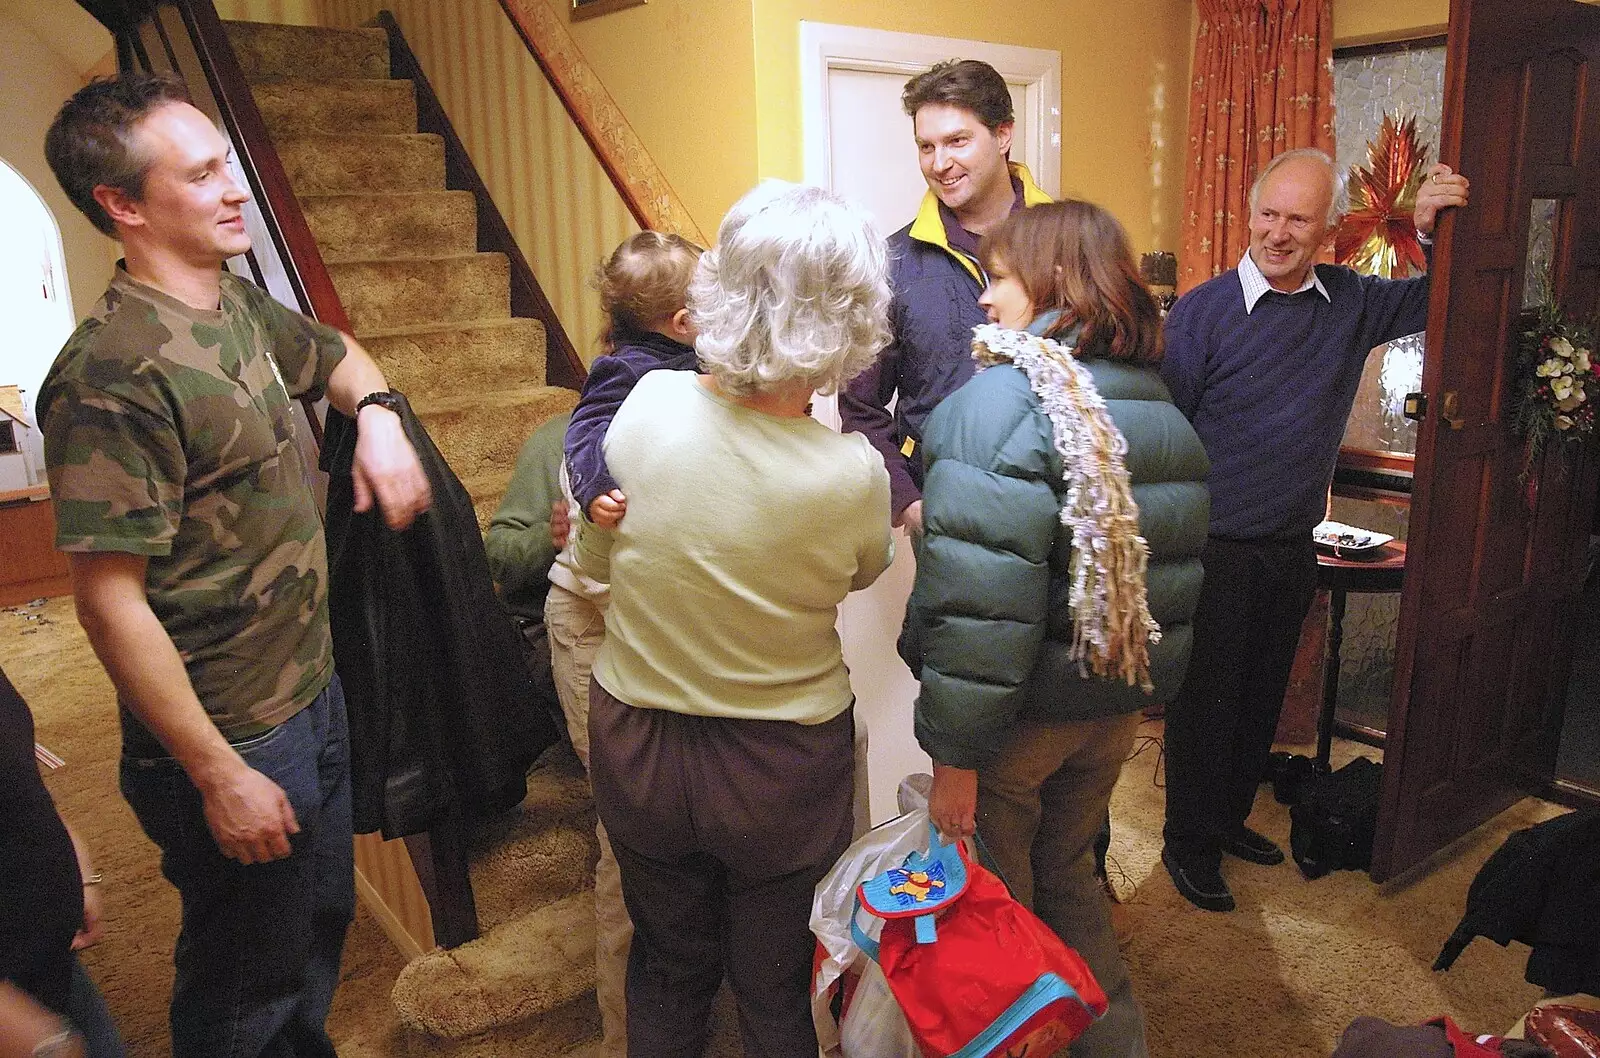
point(551, 190)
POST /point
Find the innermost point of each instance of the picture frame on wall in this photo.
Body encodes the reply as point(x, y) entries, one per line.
point(582, 9)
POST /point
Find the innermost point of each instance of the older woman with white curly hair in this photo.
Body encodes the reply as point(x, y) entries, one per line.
point(720, 720)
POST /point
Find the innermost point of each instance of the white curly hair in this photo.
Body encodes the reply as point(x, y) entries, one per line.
point(796, 290)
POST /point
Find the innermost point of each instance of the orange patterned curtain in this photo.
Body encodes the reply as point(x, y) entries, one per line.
point(1263, 84)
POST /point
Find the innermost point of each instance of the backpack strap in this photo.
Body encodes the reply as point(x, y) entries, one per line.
point(859, 935)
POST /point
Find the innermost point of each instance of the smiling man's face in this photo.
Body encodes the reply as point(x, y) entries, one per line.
point(191, 203)
point(1289, 222)
point(963, 161)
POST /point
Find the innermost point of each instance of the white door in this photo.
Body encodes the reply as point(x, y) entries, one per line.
point(859, 142)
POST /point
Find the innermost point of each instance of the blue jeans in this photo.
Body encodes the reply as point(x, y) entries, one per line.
point(86, 1009)
point(257, 959)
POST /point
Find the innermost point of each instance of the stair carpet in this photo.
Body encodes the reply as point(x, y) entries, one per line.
point(401, 249)
point(402, 253)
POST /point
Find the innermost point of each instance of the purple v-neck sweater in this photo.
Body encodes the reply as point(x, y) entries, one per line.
point(1269, 391)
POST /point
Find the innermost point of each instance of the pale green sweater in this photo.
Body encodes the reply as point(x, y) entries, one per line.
point(743, 533)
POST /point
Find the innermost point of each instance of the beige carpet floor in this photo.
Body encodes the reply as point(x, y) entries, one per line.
point(1280, 977)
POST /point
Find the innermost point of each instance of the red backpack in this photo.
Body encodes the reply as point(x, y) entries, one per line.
point(974, 971)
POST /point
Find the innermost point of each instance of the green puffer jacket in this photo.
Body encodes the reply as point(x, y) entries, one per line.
point(988, 628)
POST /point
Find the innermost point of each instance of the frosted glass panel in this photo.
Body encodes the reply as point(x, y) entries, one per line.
point(1536, 286)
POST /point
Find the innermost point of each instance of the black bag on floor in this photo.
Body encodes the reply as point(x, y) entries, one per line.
point(1332, 826)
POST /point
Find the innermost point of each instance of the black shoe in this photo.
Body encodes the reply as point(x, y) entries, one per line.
point(1201, 886)
point(1253, 847)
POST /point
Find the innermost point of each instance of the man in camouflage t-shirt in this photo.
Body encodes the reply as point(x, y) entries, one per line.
point(199, 566)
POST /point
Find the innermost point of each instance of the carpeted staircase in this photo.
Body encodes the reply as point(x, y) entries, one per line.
point(400, 248)
point(402, 252)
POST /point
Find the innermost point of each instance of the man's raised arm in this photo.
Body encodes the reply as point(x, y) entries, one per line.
point(386, 467)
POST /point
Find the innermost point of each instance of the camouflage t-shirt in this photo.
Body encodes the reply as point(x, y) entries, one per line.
point(168, 432)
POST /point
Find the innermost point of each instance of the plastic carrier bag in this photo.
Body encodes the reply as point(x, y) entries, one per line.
point(855, 1014)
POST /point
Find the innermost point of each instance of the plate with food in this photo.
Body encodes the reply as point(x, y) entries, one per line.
point(1348, 541)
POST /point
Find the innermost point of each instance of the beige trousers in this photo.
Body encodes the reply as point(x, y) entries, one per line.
point(576, 627)
point(1040, 806)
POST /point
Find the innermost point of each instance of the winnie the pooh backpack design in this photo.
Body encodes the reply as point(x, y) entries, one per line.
point(975, 972)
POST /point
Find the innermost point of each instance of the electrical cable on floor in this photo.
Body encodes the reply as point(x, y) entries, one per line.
point(1158, 777)
point(1118, 882)
point(1121, 886)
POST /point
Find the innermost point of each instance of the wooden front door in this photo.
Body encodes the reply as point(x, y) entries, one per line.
point(1495, 564)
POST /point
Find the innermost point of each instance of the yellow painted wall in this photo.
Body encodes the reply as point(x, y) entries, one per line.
point(1371, 21)
point(34, 81)
point(1124, 66)
point(684, 72)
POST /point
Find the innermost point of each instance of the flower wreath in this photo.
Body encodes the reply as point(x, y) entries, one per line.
point(1111, 623)
point(1557, 382)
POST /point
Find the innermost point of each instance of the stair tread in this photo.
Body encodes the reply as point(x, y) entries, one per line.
point(267, 49)
point(482, 484)
point(491, 322)
point(503, 398)
point(336, 139)
point(249, 24)
point(367, 196)
point(256, 79)
point(512, 973)
point(364, 106)
point(441, 258)
point(311, 84)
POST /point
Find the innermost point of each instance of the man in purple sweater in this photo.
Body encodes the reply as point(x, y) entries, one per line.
point(1264, 360)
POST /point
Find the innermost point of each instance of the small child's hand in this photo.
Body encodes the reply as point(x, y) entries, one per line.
point(560, 524)
point(606, 511)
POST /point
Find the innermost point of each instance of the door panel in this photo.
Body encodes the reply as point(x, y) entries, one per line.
point(1488, 605)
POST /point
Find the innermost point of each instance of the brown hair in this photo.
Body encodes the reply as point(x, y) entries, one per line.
point(645, 280)
point(90, 143)
point(1073, 256)
point(966, 83)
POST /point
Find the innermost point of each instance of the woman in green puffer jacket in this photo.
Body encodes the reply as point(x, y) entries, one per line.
point(1065, 509)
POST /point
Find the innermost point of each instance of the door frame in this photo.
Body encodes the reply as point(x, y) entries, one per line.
point(825, 46)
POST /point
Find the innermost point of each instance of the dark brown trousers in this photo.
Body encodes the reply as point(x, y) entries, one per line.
point(722, 829)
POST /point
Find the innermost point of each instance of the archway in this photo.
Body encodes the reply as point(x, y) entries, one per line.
point(35, 301)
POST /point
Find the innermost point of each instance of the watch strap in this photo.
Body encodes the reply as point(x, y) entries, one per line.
point(383, 398)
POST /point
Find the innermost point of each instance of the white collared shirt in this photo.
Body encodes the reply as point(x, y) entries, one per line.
point(1256, 286)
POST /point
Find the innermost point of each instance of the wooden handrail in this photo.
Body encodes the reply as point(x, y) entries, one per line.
point(563, 366)
point(640, 183)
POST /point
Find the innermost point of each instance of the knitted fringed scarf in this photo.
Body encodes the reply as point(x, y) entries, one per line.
point(1111, 622)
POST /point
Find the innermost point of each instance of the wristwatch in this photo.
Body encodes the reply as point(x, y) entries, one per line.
point(383, 398)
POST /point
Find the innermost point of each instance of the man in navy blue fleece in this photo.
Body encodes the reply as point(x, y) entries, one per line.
point(962, 117)
point(1264, 360)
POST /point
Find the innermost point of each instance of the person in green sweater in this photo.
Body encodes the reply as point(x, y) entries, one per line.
point(1065, 512)
point(521, 546)
point(520, 542)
